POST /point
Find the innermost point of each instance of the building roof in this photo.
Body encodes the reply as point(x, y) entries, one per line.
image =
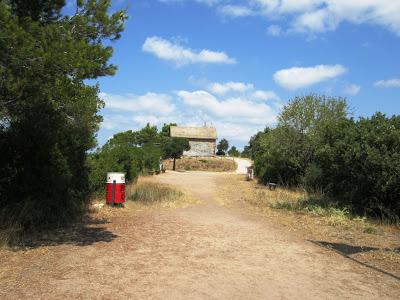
point(193, 132)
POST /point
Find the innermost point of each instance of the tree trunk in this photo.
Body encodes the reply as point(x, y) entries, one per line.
point(173, 168)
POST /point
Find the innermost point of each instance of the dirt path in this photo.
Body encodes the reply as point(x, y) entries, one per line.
point(242, 164)
point(202, 252)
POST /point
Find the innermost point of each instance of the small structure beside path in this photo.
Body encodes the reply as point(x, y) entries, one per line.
point(202, 140)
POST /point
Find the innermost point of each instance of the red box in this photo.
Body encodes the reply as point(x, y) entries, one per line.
point(115, 188)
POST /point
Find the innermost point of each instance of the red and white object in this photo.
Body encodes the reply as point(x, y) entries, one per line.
point(115, 188)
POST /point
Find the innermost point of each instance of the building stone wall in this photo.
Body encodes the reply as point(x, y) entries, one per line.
point(193, 132)
point(202, 140)
point(201, 147)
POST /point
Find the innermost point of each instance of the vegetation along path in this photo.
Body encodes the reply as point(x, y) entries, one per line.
point(206, 251)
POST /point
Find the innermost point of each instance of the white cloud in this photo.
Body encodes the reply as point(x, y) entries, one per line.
point(158, 104)
point(293, 6)
point(207, 2)
point(390, 83)
point(298, 77)
point(265, 95)
point(238, 109)
point(315, 21)
point(223, 88)
point(116, 121)
point(236, 132)
point(142, 120)
point(126, 121)
point(315, 16)
point(236, 10)
point(274, 30)
point(180, 55)
point(352, 89)
point(236, 119)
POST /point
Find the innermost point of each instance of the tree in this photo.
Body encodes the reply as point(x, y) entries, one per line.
point(222, 147)
point(48, 112)
point(251, 150)
point(355, 164)
point(148, 134)
point(304, 114)
point(130, 152)
point(285, 154)
point(359, 164)
point(234, 152)
point(165, 131)
point(173, 148)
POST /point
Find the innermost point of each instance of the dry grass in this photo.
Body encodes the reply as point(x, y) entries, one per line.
point(11, 234)
point(143, 195)
point(148, 193)
point(212, 164)
point(375, 244)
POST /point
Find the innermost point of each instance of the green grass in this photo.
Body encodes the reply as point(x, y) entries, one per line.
point(317, 206)
point(149, 192)
point(370, 229)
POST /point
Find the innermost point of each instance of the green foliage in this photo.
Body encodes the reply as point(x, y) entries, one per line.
point(48, 114)
point(359, 162)
point(165, 131)
point(222, 147)
point(130, 152)
point(133, 153)
point(370, 229)
point(173, 147)
point(253, 148)
point(234, 152)
point(315, 145)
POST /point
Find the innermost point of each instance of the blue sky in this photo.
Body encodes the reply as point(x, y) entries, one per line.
point(234, 64)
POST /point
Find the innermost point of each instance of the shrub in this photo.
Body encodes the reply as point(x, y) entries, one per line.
point(48, 112)
point(149, 192)
point(121, 155)
point(355, 163)
point(370, 230)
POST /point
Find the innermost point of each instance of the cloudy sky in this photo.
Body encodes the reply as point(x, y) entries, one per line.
point(234, 64)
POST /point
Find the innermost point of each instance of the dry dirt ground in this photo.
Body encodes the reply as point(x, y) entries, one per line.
point(206, 251)
point(242, 164)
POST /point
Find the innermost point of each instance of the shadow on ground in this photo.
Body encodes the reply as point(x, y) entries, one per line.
point(85, 233)
point(348, 250)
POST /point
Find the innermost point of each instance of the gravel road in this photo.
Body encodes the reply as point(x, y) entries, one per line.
point(206, 251)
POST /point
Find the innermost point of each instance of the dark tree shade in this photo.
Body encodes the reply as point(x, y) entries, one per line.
point(234, 152)
point(173, 148)
point(48, 112)
point(222, 147)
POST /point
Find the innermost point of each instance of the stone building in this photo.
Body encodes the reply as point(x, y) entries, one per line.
point(202, 140)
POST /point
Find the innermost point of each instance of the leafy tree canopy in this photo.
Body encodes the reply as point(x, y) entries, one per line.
point(165, 131)
point(48, 114)
point(233, 151)
point(222, 147)
point(354, 163)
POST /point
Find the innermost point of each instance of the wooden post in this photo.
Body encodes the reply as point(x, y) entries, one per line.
point(250, 173)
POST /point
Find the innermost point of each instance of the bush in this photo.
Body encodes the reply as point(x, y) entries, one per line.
point(48, 112)
point(356, 164)
point(234, 152)
point(123, 153)
point(360, 164)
